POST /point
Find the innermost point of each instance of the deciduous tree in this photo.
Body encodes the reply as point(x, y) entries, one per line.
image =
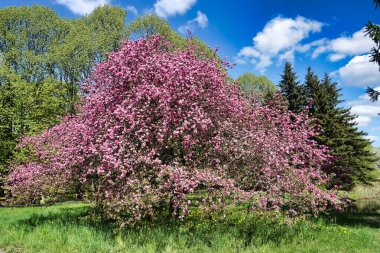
point(259, 87)
point(158, 125)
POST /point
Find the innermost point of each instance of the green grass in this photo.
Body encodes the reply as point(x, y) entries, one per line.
point(70, 228)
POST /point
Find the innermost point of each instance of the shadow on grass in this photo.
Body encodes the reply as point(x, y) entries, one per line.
point(360, 213)
point(363, 212)
point(356, 219)
point(251, 231)
point(72, 216)
point(195, 230)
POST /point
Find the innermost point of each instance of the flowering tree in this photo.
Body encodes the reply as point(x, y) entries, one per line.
point(156, 126)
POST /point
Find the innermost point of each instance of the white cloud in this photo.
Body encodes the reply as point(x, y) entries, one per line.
point(373, 138)
point(200, 21)
point(343, 46)
point(167, 8)
point(82, 7)
point(360, 72)
point(287, 56)
point(363, 99)
point(263, 62)
point(249, 52)
point(279, 39)
point(366, 110)
point(363, 120)
point(132, 9)
point(306, 47)
point(336, 57)
point(284, 33)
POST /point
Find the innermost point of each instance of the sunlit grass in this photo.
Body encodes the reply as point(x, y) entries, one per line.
point(367, 191)
point(70, 228)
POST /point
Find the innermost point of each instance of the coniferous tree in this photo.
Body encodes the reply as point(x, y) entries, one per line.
point(313, 90)
point(292, 90)
point(353, 158)
point(373, 31)
point(373, 94)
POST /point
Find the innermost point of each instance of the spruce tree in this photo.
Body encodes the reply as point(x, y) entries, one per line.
point(313, 89)
point(353, 158)
point(373, 94)
point(292, 90)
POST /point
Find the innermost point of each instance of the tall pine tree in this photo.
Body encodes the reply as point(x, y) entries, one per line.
point(313, 90)
point(353, 158)
point(292, 90)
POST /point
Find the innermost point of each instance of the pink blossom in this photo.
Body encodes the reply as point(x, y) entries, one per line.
point(157, 124)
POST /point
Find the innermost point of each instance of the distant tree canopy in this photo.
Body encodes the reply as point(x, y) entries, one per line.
point(252, 85)
point(36, 43)
point(43, 60)
point(149, 25)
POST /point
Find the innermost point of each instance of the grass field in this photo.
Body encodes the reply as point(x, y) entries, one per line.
point(69, 227)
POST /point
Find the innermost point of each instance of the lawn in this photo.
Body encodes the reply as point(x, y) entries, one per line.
point(72, 227)
point(69, 227)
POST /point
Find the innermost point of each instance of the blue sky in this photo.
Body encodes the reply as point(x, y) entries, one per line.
point(260, 35)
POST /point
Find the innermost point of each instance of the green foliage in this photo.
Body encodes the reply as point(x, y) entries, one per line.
point(256, 86)
point(149, 25)
point(106, 25)
point(43, 60)
point(26, 34)
point(292, 90)
point(354, 161)
point(37, 44)
point(26, 108)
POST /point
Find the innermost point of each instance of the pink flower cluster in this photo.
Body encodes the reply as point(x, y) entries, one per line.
point(157, 126)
